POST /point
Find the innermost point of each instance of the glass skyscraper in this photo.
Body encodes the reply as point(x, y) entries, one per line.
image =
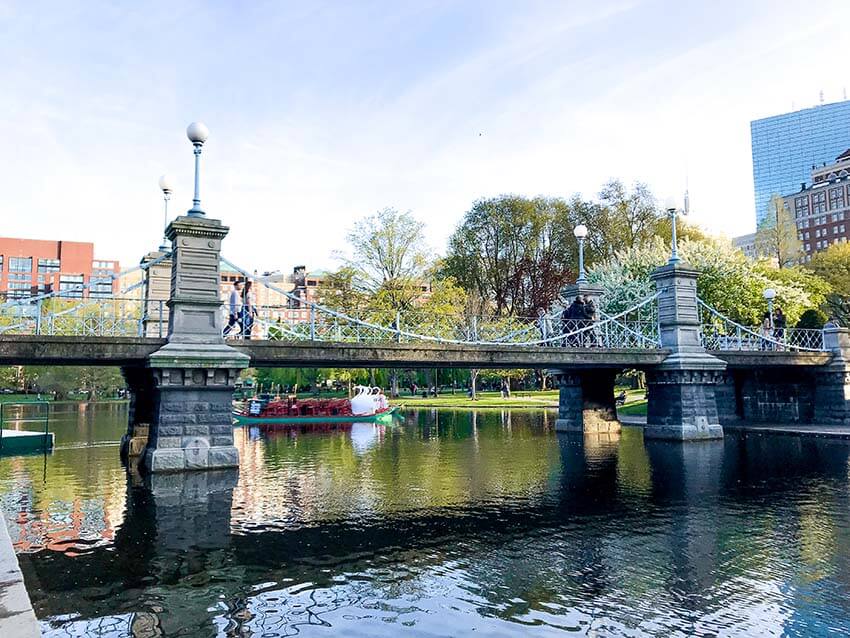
point(786, 146)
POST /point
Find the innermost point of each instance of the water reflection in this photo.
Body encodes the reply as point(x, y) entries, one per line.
point(452, 523)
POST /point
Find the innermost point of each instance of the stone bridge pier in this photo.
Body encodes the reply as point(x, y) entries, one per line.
point(681, 390)
point(180, 408)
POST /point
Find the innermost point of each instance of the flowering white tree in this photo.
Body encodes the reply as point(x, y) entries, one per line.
point(728, 281)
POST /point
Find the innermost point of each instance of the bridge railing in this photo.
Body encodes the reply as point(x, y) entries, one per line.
point(634, 328)
point(71, 316)
point(718, 332)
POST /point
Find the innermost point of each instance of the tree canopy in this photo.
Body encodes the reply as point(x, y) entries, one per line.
point(833, 266)
point(728, 281)
point(388, 257)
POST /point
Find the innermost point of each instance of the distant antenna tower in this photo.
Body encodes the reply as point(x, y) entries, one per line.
point(845, 92)
point(821, 96)
point(687, 207)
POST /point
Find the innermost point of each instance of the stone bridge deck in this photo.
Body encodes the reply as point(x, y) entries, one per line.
point(129, 351)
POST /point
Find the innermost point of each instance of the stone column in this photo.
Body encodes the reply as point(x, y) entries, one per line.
point(194, 374)
point(832, 381)
point(586, 401)
point(157, 292)
point(681, 390)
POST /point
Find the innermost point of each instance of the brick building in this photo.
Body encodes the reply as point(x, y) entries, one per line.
point(32, 266)
point(821, 209)
point(304, 285)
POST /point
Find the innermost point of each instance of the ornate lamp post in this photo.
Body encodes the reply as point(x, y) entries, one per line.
point(769, 295)
point(580, 233)
point(673, 210)
point(197, 134)
point(166, 185)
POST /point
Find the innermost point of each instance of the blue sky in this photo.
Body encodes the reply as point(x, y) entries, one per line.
point(322, 112)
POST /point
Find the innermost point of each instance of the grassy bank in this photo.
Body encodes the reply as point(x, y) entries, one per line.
point(520, 399)
point(635, 401)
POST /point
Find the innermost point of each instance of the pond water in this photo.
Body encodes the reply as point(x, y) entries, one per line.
point(451, 523)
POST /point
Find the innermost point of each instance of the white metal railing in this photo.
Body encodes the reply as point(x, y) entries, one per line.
point(106, 317)
point(718, 332)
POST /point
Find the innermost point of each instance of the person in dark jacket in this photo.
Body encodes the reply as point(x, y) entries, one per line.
point(575, 319)
point(590, 337)
point(779, 324)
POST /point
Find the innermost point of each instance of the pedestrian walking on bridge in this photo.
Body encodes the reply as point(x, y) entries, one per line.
point(234, 308)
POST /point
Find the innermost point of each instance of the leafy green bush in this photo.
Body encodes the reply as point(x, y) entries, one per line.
point(812, 319)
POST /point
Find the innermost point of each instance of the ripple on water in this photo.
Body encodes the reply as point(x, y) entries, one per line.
point(445, 526)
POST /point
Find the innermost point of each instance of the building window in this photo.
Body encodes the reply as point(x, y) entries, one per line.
point(1, 263)
point(836, 198)
point(101, 289)
point(18, 290)
point(806, 235)
point(71, 286)
point(819, 202)
point(20, 264)
point(808, 247)
point(48, 265)
point(835, 230)
point(801, 205)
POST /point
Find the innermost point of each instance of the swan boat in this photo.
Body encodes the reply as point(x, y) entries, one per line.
point(369, 404)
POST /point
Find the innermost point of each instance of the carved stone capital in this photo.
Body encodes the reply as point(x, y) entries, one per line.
point(685, 377)
point(195, 377)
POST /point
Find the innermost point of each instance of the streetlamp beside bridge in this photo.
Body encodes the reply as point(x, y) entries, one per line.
point(197, 133)
point(166, 185)
point(672, 208)
point(580, 233)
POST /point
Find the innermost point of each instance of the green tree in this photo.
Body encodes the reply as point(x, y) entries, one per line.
point(728, 281)
point(812, 319)
point(623, 219)
point(776, 237)
point(339, 290)
point(833, 265)
point(95, 381)
point(513, 252)
point(388, 257)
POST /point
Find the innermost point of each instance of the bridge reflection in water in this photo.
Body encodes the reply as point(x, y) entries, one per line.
point(454, 522)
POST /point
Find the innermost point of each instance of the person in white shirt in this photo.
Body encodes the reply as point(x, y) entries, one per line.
point(234, 308)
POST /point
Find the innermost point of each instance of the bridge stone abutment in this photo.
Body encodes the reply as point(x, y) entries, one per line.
point(184, 391)
point(682, 390)
point(832, 381)
point(586, 401)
